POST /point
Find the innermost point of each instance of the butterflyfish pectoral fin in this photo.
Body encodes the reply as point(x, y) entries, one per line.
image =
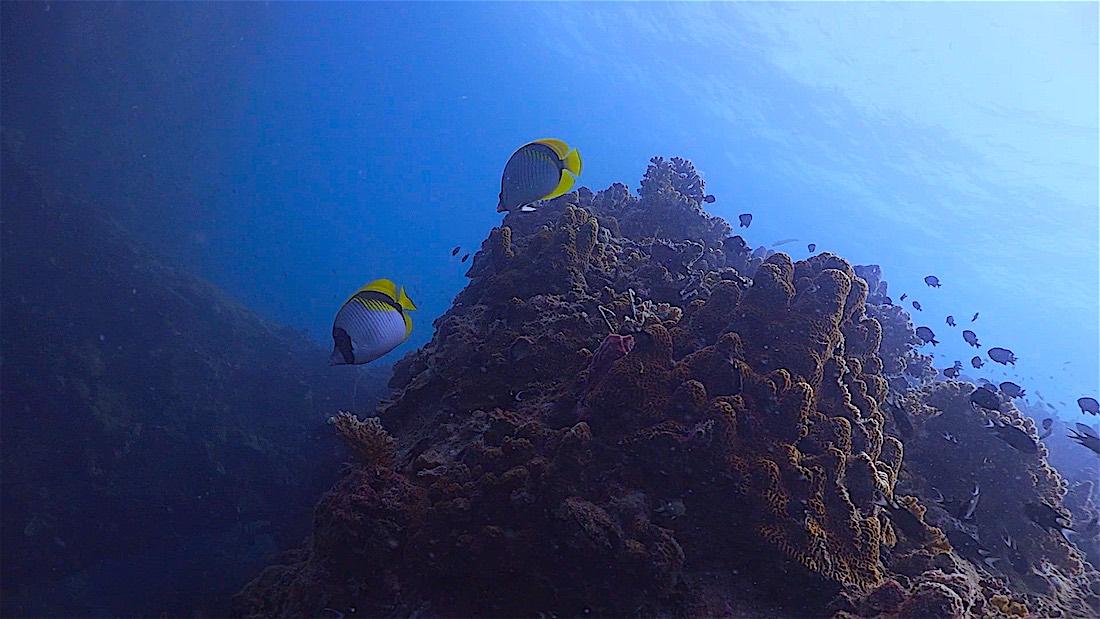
point(383, 286)
point(405, 302)
point(564, 185)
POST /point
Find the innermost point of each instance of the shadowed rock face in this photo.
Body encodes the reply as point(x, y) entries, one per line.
point(157, 435)
point(544, 467)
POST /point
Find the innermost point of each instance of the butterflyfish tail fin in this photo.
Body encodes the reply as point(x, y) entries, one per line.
point(408, 324)
point(406, 303)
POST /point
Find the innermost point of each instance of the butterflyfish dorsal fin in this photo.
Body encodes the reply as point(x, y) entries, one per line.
point(383, 286)
point(559, 147)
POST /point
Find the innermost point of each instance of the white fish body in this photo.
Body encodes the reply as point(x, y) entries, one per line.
point(371, 323)
point(373, 333)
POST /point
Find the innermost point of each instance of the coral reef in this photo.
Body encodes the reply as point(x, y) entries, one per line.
point(657, 407)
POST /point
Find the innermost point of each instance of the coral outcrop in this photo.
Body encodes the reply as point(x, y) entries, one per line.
point(624, 403)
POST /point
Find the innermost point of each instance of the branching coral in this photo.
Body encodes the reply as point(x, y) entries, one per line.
point(367, 439)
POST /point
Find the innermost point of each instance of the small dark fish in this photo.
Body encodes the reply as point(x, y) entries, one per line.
point(961, 540)
point(1019, 440)
point(760, 252)
point(1003, 356)
point(709, 199)
point(971, 338)
point(951, 506)
point(1012, 390)
point(901, 417)
point(985, 398)
point(951, 321)
point(977, 362)
point(1047, 517)
point(1089, 405)
point(968, 545)
point(1016, 557)
point(952, 372)
point(903, 295)
point(735, 245)
point(1086, 437)
point(972, 504)
point(745, 219)
point(975, 317)
point(465, 257)
point(984, 382)
point(1048, 428)
point(932, 281)
point(812, 247)
point(906, 521)
point(783, 242)
point(454, 252)
point(926, 336)
point(916, 306)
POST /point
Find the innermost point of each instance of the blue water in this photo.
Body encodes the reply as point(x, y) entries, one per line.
point(293, 151)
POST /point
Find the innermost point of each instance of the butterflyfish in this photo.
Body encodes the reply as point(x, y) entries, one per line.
point(371, 323)
point(539, 170)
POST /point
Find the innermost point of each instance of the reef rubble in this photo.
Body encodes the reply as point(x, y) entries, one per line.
point(625, 413)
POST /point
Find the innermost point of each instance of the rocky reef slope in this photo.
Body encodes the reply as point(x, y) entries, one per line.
point(625, 413)
point(157, 437)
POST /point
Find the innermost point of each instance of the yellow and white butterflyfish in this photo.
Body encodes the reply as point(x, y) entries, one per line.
point(371, 323)
point(539, 170)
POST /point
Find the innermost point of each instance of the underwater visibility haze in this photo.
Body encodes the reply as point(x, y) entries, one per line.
point(518, 309)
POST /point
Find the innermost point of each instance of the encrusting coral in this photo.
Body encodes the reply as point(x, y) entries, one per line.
point(623, 402)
